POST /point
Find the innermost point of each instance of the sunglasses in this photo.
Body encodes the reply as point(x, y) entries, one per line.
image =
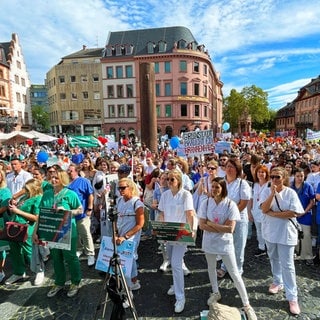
point(51, 171)
point(201, 165)
point(170, 179)
point(275, 177)
point(212, 168)
point(122, 188)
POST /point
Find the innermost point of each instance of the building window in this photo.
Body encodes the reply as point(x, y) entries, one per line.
point(129, 90)
point(168, 110)
point(119, 50)
point(74, 96)
point(157, 89)
point(196, 67)
point(129, 49)
point(205, 69)
point(18, 64)
point(95, 78)
point(156, 67)
point(167, 89)
point(96, 95)
point(1, 71)
point(150, 47)
point(197, 110)
point(196, 89)
point(120, 91)
point(205, 91)
point(119, 72)
point(109, 72)
point(167, 66)
point(121, 111)
point(72, 78)
point(84, 78)
point(158, 110)
point(62, 79)
point(62, 96)
point(16, 79)
point(23, 82)
point(2, 91)
point(129, 72)
point(182, 44)
point(183, 88)
point(24, 99)
point(85, 95)
point(183, 66)
point(130, 110)
point(183, 110)
point(206, 111)
point(110, 91)
point(112, 111)
point(162, 46)
point(18, 96)
point(108, 51)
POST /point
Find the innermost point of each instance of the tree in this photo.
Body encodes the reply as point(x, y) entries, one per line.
point(252, 100)
point(40, 118)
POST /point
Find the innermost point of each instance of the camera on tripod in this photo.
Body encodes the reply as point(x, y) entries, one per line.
point(112, 210)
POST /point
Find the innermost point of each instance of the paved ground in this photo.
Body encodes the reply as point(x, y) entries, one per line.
point(23, 301)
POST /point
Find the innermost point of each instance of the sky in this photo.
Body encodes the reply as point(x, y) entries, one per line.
point(273, 44)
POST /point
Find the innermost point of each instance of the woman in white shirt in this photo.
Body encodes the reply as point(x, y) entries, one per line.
point(217, 218)
point(280, 204)
point(176, 205)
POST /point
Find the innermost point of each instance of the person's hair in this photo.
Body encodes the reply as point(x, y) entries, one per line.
point(155, 173)
point(255, 159)
point(223, 185)
point(114, 164)
point(42, 171)
point(184, 165)
point(33, 187)
point(237, 164)
point(172, 162)
point(91, 164)
point(177, 175)
point(131, 184)
point(3, 183)
point(299, 170)
point(263, 168)
point(213, 163)
point(284, 173)
point(63, 177)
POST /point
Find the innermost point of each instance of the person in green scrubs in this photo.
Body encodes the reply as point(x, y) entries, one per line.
point(61, 198)
point(25, 210)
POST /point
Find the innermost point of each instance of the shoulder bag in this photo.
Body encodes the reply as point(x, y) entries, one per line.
point(14, 231)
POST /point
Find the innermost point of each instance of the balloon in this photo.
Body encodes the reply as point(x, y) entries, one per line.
point(226, 126)
point(29, 142)
point(42, 157)
point(174, 142)
point(60, 141)
point(103, 140)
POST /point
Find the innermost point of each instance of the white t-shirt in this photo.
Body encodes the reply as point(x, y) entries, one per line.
point(16, 182)
point(256, 195)
point(174, 207)
point(279, 230)
point(216, 242)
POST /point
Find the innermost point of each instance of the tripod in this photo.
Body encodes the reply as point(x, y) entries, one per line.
point(115, 286)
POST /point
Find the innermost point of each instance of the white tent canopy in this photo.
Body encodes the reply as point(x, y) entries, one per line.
point(21, 136)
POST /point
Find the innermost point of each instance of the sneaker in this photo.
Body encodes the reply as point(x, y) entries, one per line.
point(275, 288)
point(54, 290)
point(186, 271)
point(294, 307)
point(2, 275)
point(135, 285)
point(73, 290)
point(126, 303)
point(91, 261)
point(79, 253)
point(259, 253)
point(170, 292)
point(14, 278)
point(251, 315)
point(39, 279)
point(214, 297)
point(164, 266)
point(179, 306)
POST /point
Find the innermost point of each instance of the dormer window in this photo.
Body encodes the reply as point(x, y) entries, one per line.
point(128, 49)
point(162, 46)
point(119, 48)
point(108, 51)
point(182, 44)
point(150, 47)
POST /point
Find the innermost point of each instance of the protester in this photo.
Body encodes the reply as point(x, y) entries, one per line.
point(62, 198)
point(176, 205)
point(280, 206)
point(218, 216)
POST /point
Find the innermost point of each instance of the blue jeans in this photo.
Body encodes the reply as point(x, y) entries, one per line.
point(282, 267)
point(239, 241)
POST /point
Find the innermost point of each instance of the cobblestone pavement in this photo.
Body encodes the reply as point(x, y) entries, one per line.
point(24, 301)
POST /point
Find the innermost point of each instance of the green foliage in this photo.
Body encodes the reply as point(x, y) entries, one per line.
point(252, 100)
point(40, 118)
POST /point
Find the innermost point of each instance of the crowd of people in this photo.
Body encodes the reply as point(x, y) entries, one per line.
point(271, 186)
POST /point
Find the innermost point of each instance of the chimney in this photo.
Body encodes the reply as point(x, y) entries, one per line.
point(84, 47)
